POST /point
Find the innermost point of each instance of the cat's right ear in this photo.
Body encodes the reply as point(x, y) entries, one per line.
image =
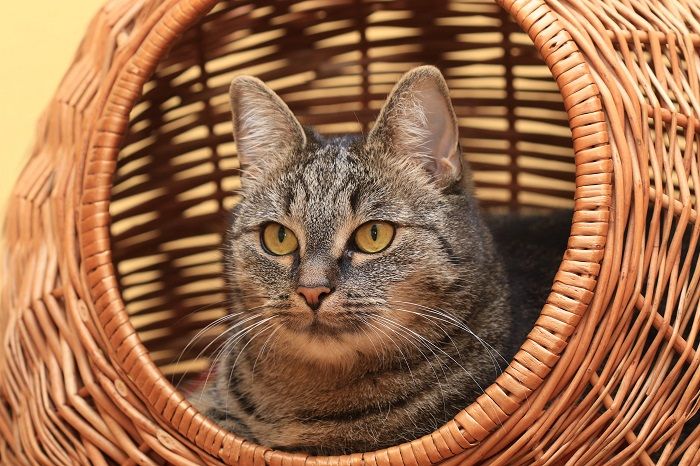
point(264, 128)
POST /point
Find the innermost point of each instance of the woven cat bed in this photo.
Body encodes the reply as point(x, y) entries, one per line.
point(113, 229)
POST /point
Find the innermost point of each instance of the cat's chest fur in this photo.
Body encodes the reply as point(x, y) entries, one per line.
point(294, 407)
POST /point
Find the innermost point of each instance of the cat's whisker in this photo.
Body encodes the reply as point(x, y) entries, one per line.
point(263, 348)
point(398, 347)
point(238, 296)
point(449, 356)
point(411, 337)
point(242, 350)
point(457, 322)
point(411, 341)
point(454, 321)
point(428, 342)
point(204, 330)
point(379, 353)
point(435, 321)
point(228, 345)
point(231, 327)
point(222, 334)
point(230, 341)
point(485, 343)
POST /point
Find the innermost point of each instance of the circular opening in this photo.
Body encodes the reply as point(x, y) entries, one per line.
point(177, 173)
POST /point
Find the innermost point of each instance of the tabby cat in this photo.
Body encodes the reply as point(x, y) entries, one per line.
point(369, 303)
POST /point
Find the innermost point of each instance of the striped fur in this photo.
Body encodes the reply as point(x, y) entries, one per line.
point(400, 345)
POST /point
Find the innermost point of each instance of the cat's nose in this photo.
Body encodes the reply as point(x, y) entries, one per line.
point(314, 295)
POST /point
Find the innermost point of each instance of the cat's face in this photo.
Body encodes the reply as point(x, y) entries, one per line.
point(342, 246)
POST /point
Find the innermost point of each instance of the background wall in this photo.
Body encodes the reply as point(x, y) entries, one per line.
point(37, 42)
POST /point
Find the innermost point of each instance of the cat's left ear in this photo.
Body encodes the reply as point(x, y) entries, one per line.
point(418, 121)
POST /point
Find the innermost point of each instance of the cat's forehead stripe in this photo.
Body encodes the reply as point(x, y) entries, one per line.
point(312, 195)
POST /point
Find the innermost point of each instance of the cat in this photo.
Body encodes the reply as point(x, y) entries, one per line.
point(368, 300)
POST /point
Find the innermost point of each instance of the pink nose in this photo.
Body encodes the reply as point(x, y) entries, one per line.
point(313, 295)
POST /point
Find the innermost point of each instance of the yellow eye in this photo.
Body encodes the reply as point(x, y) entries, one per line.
point(278, 239)
point(374, 236)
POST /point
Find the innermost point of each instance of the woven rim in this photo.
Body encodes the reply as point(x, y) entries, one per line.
point(504, 403)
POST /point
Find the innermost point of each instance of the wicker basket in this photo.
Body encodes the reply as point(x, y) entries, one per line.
point(112, 230)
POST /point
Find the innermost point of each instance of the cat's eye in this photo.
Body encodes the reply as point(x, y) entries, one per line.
point(278, 239)
point(374, 237)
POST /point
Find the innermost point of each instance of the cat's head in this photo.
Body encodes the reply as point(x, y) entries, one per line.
point(342, 244)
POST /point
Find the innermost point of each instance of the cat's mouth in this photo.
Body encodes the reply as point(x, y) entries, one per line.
point(323, 323)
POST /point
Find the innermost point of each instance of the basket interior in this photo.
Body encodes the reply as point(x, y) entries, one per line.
point(333, 62)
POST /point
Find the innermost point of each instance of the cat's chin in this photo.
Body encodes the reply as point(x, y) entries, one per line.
point(322, 344)
point(321, 349)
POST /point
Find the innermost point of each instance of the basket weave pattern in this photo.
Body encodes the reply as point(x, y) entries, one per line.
point(111, 232)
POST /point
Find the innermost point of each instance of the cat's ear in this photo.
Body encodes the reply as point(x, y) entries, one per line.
point(264, 128)
point(418, 121)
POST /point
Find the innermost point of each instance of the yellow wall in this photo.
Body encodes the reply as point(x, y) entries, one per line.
point(37, 43)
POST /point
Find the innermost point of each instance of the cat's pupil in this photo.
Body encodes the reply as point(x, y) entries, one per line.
point(281, 234)
point(374, 232)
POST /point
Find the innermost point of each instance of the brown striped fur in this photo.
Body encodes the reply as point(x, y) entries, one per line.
point(387, 357)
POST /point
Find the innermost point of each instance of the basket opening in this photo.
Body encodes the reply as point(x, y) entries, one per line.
point(333, 63)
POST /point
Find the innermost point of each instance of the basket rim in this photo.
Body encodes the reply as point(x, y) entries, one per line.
point(483, 417)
